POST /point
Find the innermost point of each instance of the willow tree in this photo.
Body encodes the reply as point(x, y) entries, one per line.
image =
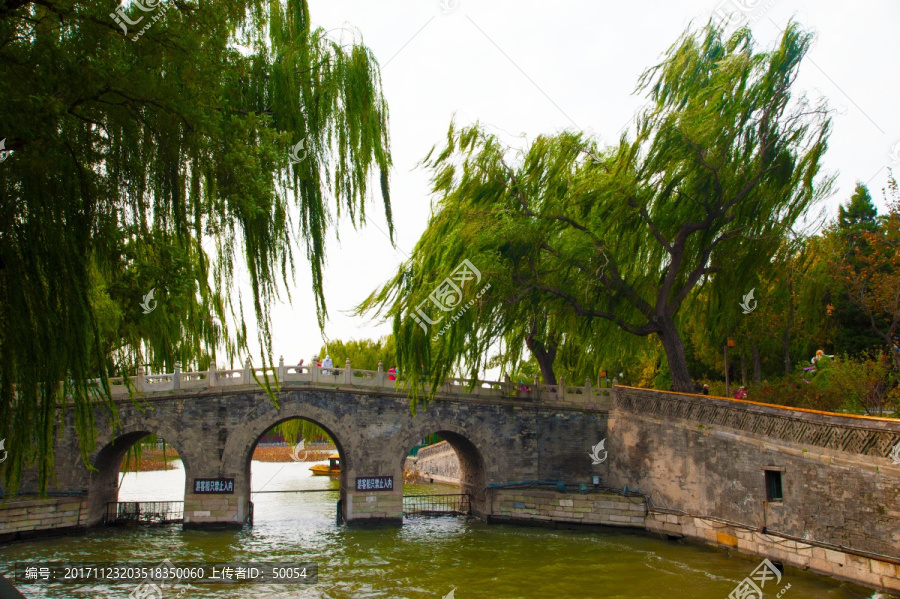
point(723, 161)
point(220, 130)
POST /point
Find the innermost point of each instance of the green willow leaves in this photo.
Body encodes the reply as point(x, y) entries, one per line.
point(163, 163)
point(580, 245)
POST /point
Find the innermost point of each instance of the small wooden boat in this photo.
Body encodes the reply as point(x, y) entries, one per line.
point(333, 467)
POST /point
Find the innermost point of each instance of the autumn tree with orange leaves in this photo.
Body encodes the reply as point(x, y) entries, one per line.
point(870, 274)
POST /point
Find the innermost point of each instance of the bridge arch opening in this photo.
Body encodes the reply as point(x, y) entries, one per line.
point(150, 474)
point(295, 464)
point(445, 458)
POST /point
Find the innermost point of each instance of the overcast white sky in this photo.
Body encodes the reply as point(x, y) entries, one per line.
point(526, 68)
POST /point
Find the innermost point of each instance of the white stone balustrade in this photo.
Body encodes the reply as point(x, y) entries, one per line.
point(283, 377)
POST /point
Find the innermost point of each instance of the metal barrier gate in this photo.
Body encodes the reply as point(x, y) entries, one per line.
point(436, 505)
point(144, 512)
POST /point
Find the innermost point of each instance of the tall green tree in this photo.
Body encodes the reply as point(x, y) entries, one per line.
point(364, 354)
point(845, 327)
point(232, 122)
point(870, 275)
point(859, 213)
point(724, 160)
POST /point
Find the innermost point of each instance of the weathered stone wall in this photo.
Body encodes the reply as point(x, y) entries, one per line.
point(26, 517)
point(597, 508)
point(547, 507)
point(705, 459)
point(215, 431)
point(878, 574)
point(436, 462)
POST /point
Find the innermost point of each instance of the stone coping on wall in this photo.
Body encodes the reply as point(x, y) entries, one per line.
point(768, 405)
point(862, 435)
point(435, 449)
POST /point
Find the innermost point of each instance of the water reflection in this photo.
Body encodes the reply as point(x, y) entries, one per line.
point(426, 557)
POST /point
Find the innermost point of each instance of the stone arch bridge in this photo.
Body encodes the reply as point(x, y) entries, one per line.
point(214, 420)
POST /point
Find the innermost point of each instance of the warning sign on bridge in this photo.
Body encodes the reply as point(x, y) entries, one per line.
point(375, 483)
point(213, 485)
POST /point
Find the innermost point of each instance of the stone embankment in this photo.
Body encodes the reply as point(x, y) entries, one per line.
point(436, 463)
point(25, 517)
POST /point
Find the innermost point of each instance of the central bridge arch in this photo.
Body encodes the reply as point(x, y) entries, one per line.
point(238, 450)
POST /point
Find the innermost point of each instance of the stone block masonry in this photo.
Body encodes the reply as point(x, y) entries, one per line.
point(436, 462)
point(214, 431)
point(810, 489)
point(874, 573)
point(596, 508)
point(22, 518)
point(551, 508)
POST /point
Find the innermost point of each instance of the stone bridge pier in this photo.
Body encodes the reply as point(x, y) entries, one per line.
point(215, 431)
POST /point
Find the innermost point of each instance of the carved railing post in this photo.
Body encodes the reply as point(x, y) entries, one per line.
point(380, 378)
point(588, 392)
point(176, 378)
point(314, 369)
point(140, 379)
point(211, 379)
point(561, 389)
point(282, 371)
point(245, 377)
point(348, 376)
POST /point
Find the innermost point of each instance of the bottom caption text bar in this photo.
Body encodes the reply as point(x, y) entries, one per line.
point(169, 572)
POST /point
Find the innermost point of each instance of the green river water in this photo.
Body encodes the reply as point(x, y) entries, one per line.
point(438, 557)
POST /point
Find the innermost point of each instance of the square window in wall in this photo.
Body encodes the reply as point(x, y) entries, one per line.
point(773, 486)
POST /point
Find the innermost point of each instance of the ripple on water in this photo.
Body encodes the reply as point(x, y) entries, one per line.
point(425, 558)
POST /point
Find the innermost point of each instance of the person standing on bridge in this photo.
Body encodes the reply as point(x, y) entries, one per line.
point(327, 364)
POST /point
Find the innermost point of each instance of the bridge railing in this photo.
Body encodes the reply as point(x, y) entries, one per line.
point(345, 376)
